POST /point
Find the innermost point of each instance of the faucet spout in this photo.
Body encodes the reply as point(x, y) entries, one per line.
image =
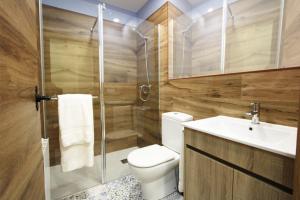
point(254, 113)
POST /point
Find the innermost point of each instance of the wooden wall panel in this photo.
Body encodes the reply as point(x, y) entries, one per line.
point(147, 113)
point(296, 194)
point(21, 166)
point(252, 35)
point(71, 64)
point(278, 92)
point(206, 44)
point(231, 94)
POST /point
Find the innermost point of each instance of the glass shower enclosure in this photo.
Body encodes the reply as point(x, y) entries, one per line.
point(116, 62)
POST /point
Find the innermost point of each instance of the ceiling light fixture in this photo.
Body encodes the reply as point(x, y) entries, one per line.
point(116, 20)
point(210, 10)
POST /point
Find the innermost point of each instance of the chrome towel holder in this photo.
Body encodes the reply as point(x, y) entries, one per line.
point(39, 98)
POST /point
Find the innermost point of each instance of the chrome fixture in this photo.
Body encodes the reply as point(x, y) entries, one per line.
point(96, 20)
point(41, 98)
point(254, 113)
point(145, 89)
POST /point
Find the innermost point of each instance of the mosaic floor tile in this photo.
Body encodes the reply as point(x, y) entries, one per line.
point(125, 188)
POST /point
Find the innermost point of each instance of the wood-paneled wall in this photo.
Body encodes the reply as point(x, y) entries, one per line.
point(71, 65)
point(147, 113)
point(252, 35)
point(21, 161)
point(71, 62)
point(296, 194)
point(231, 94)
point(251, 39)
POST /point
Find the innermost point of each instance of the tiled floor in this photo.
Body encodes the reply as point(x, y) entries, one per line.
point(125, 188)
point(63, 184)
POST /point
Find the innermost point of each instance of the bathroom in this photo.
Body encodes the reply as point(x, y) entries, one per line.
point(172, 99)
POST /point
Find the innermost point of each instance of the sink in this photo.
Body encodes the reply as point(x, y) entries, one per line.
point(270, 137)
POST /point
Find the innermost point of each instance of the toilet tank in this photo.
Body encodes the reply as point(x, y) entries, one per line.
point(172, 130)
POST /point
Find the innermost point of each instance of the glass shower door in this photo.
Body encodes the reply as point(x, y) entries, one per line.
point(71, 66)
point(130, 90)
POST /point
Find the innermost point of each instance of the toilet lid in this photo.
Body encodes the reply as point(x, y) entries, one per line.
point(150, 156)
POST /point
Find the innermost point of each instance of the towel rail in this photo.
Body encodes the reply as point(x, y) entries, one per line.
point(39, 98)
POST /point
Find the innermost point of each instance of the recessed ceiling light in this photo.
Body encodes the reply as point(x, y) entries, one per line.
point(210, 10)
point(116, 20)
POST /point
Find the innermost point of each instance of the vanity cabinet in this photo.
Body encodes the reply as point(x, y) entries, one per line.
point(248, 188)
point(210, 179)
point(216, 168)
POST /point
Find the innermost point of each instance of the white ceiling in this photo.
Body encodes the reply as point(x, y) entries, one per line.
point(131, 5)
point(195, 2)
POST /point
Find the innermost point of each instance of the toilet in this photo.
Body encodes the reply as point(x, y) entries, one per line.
point(154, 166)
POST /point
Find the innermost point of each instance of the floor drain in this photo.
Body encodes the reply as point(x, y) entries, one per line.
point(124, 161)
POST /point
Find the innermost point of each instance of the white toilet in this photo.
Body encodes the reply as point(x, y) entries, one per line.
point(154, 165)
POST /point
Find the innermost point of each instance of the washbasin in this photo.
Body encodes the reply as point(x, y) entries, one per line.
point(274, 138)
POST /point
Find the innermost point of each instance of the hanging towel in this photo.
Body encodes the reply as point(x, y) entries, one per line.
point(76, 126)
point(76, 123)
point(77, 156)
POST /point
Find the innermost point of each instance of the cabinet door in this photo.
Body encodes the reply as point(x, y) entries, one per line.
point(206, 179)
point(248, 188)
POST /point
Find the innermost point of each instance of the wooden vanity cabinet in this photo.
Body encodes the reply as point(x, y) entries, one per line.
point(216, 168)
point(248, 188)
point(206, 178)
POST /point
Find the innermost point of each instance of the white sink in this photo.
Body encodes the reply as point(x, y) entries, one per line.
point(270, 137)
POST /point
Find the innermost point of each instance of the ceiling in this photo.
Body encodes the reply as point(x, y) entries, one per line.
point(195, 2)
point(131, 5)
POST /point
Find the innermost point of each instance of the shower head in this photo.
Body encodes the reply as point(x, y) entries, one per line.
point(139, 33)
point(230, 11)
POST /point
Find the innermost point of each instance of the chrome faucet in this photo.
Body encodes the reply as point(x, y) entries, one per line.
point(254, 113)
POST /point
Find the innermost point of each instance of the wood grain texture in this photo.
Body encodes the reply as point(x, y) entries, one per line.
point(248, 188)
point(147, 113)
point(21, 166)
point(71, 61)
point(269, 165)
point(206, 178)
point(71, 65)
point(202, 97)
point(251, 39)
point(296, 194)
point(291, 40)
point(162, 18)
point(277, 91)
point(252, 35)
point(206, 44)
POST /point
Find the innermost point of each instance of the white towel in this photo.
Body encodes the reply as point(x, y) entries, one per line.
point(76, 126)
point(76, 123)
point(77, 156)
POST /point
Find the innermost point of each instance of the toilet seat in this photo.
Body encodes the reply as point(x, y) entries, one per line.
point(150, 156)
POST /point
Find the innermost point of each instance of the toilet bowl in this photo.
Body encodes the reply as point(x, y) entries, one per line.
point(154, 166)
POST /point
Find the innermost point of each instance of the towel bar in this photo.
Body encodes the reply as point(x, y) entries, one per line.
point(39, 98)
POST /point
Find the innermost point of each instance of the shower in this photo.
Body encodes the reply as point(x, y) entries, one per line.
point(144, 89)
